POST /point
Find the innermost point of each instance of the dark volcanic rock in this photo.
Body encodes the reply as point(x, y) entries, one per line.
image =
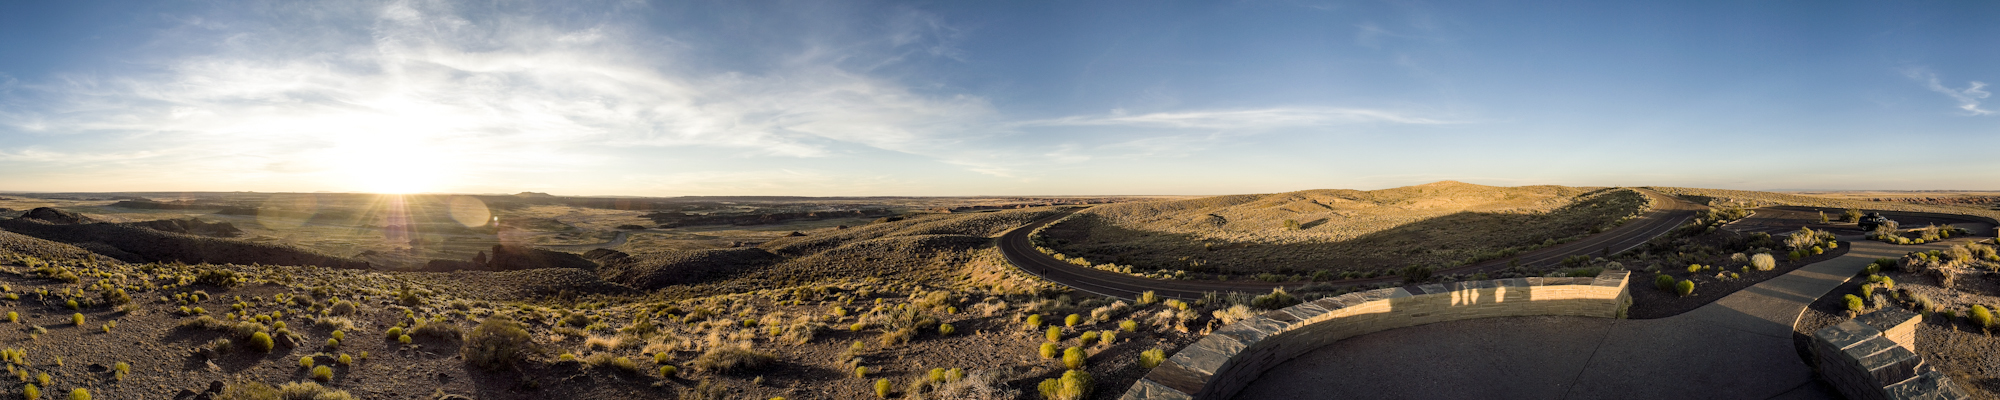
point(55, 216)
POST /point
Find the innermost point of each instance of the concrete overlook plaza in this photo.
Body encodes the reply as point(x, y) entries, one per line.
point(1739, 347)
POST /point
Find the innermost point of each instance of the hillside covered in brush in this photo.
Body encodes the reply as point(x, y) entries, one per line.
point(1438, 224)
point(920, 308)
point(164, 240)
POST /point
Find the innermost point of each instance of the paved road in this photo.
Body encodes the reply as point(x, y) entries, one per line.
point(1668, 213)
point(1739, 347)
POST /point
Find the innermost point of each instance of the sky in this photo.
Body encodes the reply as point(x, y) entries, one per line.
point(840, 98)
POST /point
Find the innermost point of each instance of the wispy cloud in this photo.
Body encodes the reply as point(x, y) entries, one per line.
point(434, 87)
point(1968, 98)
point(1253, 119)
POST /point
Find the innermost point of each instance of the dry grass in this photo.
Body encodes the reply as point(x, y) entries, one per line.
point(1438, 224)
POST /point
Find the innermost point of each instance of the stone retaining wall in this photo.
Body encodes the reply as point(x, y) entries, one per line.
point(1873, 357)
point(1222, 363)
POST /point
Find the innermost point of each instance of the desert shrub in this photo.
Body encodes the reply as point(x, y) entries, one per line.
point(1232, 314)
point(1048, 350)
point(306, 362)
point(1087, 338)
point(1764, 262)
point(882, 388)
point(1417, 274)
point(1664, 282)
point(1148, 298)
point(217, 277)
point(1072, 320)
point(1128, 325)
point(31, 392)
point(1034, 321)
point(342, 307)
point(322, 373)
point(394, 332)
point(1923, 303)
point(1054, 334)
point(497, 343)
point(946, 329)
point(119, 370)
point(115, 297)
point(288, 391)
point(667, 371)
point(1853, 303)
point(344, 359)
point(1684, 288)
point(897, 336)
point(1150, 359)
point(76, 319)
point(1073, 358)
point(1980, 316)
point(262, 342)
point(606, 360)
point(405, 339)
point(1867, 291)
point(1275, 300)
point(1073, 385)
point(732, 359)
point(437, 329)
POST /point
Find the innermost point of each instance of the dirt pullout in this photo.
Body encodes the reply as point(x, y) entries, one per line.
point(140, 244)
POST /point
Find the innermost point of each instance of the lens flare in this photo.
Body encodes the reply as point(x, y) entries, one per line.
point(470, 211)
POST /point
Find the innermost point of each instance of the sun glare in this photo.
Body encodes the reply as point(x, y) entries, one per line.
point(389, 164)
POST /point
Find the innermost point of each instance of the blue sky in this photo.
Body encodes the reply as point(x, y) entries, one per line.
point(993, 98)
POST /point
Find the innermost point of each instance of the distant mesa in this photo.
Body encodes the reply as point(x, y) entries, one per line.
point(145, 204)
point(533, 195)
point(55, 216)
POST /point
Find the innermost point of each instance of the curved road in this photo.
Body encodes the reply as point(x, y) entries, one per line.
point(1668, 212)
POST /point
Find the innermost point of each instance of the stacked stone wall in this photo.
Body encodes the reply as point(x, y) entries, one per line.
point(1224, 362)
point(1873, 357)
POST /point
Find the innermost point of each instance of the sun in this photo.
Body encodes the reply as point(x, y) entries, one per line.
point(393, 172)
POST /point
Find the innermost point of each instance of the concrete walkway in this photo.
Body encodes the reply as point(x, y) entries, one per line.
point(1739, 347)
